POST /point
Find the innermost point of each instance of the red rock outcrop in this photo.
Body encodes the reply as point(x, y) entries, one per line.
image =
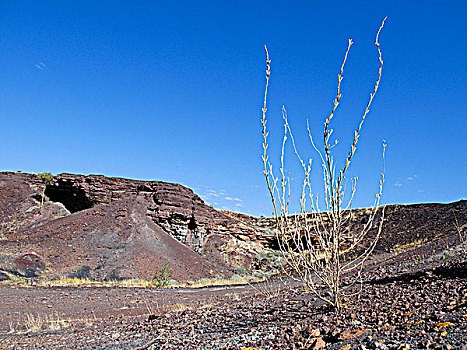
point(119, 226)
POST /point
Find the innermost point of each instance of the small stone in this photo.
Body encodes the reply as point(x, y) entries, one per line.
point(444, 324)
point(319, 343)
point(379, 345)
point(315, 333)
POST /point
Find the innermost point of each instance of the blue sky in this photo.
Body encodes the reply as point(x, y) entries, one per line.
point(173, 91)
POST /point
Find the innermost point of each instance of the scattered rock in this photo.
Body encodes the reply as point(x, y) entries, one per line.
point(319, 343)
point(29, 265)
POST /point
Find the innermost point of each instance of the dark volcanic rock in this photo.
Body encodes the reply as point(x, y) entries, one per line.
point(29, 265)
point(119, 228)
point(404, 225)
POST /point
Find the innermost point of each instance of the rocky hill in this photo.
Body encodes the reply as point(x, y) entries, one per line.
point(109, 228)
point(113, 228)
point(404, 225)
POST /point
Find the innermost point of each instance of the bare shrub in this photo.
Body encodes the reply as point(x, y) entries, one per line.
point(320, 247)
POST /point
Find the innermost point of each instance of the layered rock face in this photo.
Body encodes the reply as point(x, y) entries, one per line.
point(175, 208)
point(92, 201)
point(404, 225)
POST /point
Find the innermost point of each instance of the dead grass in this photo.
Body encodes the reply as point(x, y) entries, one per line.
point(165, 305)
point(180, 307)
point(37, 323)
point(216, 282)
point(142, 283)
point(87, 282)
point(417, 243)
point(270, 289)
point(14, 279)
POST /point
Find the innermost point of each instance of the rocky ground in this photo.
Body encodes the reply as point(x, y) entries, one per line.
point(415, 299)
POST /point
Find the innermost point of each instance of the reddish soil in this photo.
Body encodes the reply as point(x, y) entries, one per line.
point(415, 299)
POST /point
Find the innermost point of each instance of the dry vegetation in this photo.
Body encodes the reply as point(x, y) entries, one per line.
point(32, 323)
point(319, 248)
point(141, 283)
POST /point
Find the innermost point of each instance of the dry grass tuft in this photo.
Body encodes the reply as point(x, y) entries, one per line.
point(33, 323)
point(141, 283)
point(270, 288)
point(216, 282)
point(37, 323)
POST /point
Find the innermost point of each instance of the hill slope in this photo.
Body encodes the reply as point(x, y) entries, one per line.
point(108, 228)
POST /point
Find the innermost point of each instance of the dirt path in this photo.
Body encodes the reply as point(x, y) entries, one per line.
point(78, 305)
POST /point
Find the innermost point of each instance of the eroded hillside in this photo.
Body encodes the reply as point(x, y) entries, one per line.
point(109, 228)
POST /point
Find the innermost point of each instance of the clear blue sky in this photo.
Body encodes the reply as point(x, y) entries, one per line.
point(172, 90)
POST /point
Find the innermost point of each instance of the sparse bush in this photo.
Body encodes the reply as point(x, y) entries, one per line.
point(319, 247)
point(269, 260)
point(163, 275)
